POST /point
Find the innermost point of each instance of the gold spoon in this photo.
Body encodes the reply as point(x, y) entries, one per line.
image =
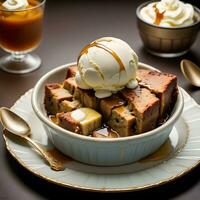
point(17, 126)
point(191, 72)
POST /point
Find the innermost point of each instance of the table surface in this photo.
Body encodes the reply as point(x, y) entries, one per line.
point(67, 28)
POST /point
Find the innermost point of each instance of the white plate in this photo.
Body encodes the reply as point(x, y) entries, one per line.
point(179, 155)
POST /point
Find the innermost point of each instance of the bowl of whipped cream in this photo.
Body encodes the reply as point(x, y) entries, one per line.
point(168, 28)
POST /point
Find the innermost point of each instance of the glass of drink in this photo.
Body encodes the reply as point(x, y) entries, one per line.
point(21, 33)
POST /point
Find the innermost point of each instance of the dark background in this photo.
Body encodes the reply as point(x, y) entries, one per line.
point(68, 27)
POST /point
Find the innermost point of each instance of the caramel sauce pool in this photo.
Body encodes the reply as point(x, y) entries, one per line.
point(61, 158)
point(163, 152)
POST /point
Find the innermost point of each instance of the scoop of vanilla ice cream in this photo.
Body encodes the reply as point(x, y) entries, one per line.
point(15, 4)
point(107, 65)
point(175, 13)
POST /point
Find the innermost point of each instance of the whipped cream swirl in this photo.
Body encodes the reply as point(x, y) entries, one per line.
point(15, 4)
point(107, 65)
point(168, 13)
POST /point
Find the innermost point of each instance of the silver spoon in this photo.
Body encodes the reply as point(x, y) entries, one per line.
point(191, 72)
point(17, 126)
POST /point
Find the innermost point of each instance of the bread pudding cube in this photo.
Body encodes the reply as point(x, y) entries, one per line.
point(67, 106)
point(54, 95)
point(107, 104)
point(81, 120)
point(122, 121)
point(71, 71)
point(164, 85)
point(70, 85)
point(78, 93)
point(145, 106)
point(87, 98)
point(66, 121)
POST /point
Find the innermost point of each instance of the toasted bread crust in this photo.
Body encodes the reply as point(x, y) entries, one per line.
point(54, 95)
point(163, 85)
point(122, 121)
point(67, 122)
point(108, 104)
point(71, 71)
point(145, 106)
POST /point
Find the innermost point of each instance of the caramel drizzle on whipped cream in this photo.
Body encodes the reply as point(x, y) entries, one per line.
point(98, 45)
point(159, 16)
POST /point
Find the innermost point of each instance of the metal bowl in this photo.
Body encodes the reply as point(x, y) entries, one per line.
point(167, 42)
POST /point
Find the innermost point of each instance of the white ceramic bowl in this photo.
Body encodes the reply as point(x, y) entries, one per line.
point(100, 151)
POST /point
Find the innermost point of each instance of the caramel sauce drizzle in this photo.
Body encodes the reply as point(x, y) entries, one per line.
point(159, 16)
point(96, 44)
